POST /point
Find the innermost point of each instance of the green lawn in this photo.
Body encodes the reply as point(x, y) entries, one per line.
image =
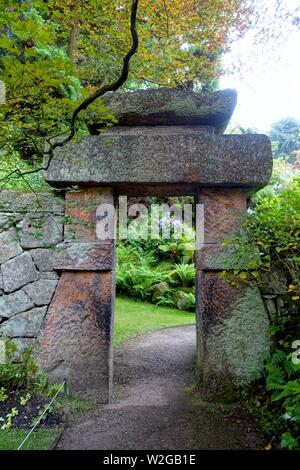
point(133, 318)
point(43, 439)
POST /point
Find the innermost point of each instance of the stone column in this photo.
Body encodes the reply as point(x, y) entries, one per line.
point(77, 338)
point(232, 324)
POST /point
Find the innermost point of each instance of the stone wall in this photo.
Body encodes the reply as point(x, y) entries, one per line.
point(30, 227)
point(277, 301)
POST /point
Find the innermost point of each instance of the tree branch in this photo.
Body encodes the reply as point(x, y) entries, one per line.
point(111, 87)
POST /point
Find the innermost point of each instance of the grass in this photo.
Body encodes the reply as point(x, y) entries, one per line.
point(43, 439)
point(133, 318)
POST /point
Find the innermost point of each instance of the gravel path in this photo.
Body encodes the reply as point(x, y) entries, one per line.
point(151, 408)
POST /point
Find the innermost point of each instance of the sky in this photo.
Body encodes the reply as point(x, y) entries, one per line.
point(269, 88)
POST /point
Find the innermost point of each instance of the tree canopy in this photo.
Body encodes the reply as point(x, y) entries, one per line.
point(55, 53)
point(285, 135)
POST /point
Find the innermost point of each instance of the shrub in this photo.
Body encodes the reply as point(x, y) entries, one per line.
point(272, 226)
point(185, 273)
point(137, 281)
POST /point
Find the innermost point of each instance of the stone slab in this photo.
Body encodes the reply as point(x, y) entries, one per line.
point(18, 272)
point(224, 209)
point(41, 291)
point(9, 246)
point(26, 324)
point(42, 258)
point(24, 202)
point(84, 257)
point(171, 106)
point(40, 232)
point(77, 339)
point(163, 156)
point(14, 303)
point(82, 213)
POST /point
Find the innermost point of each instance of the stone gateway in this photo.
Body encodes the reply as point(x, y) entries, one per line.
point(167, 143)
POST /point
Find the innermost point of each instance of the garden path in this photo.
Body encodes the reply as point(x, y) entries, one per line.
point(152, 407)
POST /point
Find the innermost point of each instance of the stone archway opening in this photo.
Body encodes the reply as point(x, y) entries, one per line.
point(168, 142)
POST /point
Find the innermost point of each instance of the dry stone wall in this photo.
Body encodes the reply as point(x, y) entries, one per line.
point(31, 225)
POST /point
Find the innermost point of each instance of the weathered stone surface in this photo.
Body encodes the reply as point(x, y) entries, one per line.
point(24, 202)
point(9, 246)
point(159, 289)
point(41, 291)
point(49, 275)
point(18, 272)
point(275, 283)
point(77, 340)
point(270, 305)
point(171, 106)
point(41, 232)
point(84, 257)
point(14, 303)
point(134, 156)
point(233, 334)
point(26, 324)
point(81, 209)
point(42, 258)
point(214, 257)
point(1, 282)
point(223, 212)
point(183, 301)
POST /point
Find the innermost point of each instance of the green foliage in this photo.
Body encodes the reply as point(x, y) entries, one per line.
point(185, 273)
point(272, 226)
point(137, 281)
point(75, 404)
point(13, 376)
point(22, 374)
point(285, 135)
point(282, 382)
point(141, 264)
point(43, 439)
point(3, 395)
point(288, 441)
point(53, 54)
point(9, 419)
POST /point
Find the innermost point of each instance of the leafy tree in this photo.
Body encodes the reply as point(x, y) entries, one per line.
point(285, 135)
point(54, 54)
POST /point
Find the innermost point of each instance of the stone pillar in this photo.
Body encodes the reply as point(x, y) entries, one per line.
point(77, 338)
point(232, 324)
